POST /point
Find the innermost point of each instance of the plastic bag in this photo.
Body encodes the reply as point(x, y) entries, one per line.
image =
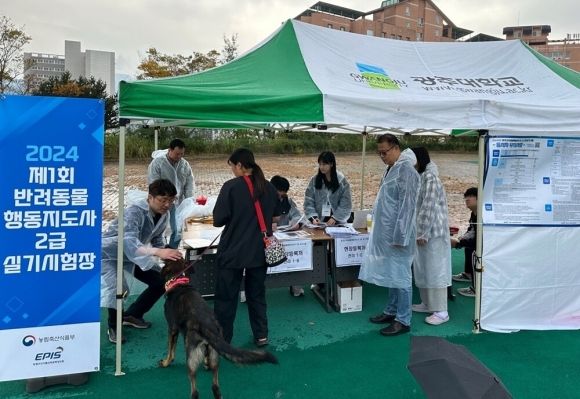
point(189, 208)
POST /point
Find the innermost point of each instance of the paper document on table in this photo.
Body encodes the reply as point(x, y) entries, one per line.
point(320, 225)
point(204, 240)
point(341, 231)
point(292, 235)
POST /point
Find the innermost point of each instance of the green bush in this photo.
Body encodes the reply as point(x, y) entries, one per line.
point(139, 143)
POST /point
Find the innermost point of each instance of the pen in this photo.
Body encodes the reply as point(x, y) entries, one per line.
point(299, 220)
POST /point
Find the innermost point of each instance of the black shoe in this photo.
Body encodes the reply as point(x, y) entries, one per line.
point(113, 336)
point(383, 318)
point(395, 328)
point(136, 322)
point(261, 342)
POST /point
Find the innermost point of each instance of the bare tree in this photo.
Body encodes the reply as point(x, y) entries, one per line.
point(12, 41)
point(230, 50)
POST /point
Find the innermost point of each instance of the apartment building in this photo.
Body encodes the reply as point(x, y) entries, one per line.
point(411, 20)
point(566, 51)
point(98, 64)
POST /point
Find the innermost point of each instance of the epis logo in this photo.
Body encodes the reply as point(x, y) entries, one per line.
point(29, 340)
point(377, 77)
point(50, 355)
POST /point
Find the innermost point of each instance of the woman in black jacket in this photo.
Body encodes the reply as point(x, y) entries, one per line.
point(241, 245)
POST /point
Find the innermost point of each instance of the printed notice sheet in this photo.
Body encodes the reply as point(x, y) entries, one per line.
point(299, 253)
point(350, 251)
point(532, 181)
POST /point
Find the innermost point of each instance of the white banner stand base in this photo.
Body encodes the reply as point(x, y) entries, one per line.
point(37, 384)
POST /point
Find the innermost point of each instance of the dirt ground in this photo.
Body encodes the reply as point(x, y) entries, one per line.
point(457, 172)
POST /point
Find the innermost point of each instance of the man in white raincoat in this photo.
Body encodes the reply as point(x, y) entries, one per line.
point(143, 243)
point(391, 247)
point(173, 167)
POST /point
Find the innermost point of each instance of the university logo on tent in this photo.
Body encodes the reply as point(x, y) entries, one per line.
point(376, 77)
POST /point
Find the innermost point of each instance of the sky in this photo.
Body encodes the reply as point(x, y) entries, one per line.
point(130, 27)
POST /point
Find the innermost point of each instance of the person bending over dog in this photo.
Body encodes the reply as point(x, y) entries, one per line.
point(188, 313)
point(143, 243)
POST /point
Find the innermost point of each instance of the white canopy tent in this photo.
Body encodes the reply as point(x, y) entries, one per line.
point(303, 77)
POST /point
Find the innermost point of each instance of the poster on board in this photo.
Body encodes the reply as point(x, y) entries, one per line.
point(51, 202)
point(532, 181)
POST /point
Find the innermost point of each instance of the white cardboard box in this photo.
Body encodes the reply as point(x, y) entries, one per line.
point(349, 296)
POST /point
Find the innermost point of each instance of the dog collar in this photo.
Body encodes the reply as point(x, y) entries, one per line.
point(176, 281)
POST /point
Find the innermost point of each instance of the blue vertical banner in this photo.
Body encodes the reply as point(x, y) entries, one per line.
point(51, 151)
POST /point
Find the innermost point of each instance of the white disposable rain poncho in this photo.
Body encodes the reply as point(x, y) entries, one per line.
point(140, 241)
point(432, 263)
point(340, 200)
point(393, 222)
point(180, 175)
point(292, 217)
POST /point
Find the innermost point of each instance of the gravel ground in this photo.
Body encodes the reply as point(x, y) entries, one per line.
point(457, 171)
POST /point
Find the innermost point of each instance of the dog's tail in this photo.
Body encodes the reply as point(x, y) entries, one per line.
point(236, 355)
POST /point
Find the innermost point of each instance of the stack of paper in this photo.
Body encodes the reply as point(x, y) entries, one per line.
point(292, 235)
point(320, 225)
point(340, 231)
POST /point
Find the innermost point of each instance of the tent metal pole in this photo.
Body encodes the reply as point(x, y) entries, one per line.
point(362, 173)
point(156, 134)
point(478, 266)
point(120, 216)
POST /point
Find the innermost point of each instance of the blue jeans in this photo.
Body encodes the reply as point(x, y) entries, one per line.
point(173, 241)
point(399, 304)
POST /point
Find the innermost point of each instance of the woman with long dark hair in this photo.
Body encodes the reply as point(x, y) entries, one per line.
point(327, 198)
point(432, 262)
point(241, 245)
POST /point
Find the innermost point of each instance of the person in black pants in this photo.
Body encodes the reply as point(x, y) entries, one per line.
point(467, 241)
point(241, 245)
point(143, 243)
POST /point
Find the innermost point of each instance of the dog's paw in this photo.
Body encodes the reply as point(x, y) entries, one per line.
point(163, 363)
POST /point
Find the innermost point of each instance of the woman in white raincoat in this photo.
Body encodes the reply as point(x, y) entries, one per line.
point(327, 198)
point(432, 263)
point(143, 244)
point(389, 254)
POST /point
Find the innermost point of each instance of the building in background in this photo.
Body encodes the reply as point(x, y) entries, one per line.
point(98, 64)
point(422, 20)
point(411, 20)
point(565, 52)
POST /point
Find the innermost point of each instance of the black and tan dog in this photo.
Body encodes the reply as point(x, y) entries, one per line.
point(187, 313)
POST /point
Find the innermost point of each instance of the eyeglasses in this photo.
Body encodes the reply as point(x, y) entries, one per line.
point(384, 153)
point(165, 201)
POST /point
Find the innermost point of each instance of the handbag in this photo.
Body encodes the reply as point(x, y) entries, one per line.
point(274, 250)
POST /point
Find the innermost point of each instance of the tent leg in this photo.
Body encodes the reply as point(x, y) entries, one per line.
point(478, 266)
point(156, 134)
point(120, 215)
point(362, 173)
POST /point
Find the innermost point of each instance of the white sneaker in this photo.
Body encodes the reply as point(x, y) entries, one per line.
point(242, 296)
point(435, 319)
point(314, 287)
point(297, 290)
point(469, 291)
